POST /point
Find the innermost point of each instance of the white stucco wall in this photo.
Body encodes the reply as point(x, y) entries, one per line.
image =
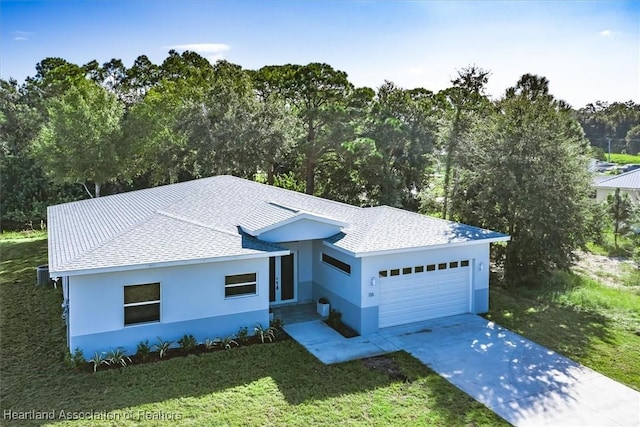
point(476, 254)
point(190, 292)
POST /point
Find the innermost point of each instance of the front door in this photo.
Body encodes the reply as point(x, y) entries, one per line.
point(282, 278)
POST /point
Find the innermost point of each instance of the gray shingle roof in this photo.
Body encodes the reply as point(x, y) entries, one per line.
point(200, 220)
point(628, 180)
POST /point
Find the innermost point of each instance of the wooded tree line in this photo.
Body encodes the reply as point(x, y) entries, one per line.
point(516, 164)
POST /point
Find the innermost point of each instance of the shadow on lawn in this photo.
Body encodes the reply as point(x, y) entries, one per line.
point(535, 313)
point(35, 376)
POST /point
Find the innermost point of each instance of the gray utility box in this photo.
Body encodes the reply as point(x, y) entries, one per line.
point(43, 275)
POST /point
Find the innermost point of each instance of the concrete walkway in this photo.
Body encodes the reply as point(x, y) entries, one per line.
point(521, 381)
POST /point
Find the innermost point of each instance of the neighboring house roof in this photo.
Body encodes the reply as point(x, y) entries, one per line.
point(214, 219)
point(626, 181)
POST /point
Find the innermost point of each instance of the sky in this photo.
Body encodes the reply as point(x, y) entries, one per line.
point(588, 50)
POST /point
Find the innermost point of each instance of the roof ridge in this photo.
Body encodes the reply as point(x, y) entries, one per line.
point(195, 222)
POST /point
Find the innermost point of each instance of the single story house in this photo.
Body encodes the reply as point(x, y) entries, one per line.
point(628, 183)
point(209, 256)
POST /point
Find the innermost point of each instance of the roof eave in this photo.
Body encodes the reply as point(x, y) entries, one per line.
point(163, 264)
point(418, 248)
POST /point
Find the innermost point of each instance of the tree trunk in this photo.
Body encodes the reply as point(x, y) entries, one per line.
point(310, 171)
point(449, 163)
point(97, 187)
point(270, 173)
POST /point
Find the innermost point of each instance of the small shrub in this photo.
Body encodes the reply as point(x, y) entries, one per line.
point(210, 344)
point(335, 318)
point(187, 342)
point(118, 357)
point(162, 347)
point(228, 342)
point(77, 359)
point(263, 333)
point(143, 349)
point(276, 323)
point(97, 360)
point(243, 334)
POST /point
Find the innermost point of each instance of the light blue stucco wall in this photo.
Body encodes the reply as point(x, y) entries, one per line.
point(300, 230)
point(210, 327)
point(189, 295)
point(343, 290)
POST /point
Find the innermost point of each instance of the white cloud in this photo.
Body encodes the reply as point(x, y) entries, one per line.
point(21, 36)
point(212, 51)
point(606, 33)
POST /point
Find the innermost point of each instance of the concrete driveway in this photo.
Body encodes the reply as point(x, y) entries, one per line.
point(521, 381)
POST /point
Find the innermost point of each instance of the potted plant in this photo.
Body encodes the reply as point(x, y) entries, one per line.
point(323, 307)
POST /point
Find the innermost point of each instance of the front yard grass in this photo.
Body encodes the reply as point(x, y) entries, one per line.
point(623, 159)
point(270, 384)
point(593, 324)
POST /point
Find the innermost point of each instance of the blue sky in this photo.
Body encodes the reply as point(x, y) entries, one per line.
point(589, 50)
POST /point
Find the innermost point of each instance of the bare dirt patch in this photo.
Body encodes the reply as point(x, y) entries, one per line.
point(385, 365)
point(605, 269)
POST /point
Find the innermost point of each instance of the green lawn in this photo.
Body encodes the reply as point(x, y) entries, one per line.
point(271, 384)
point(595, 325)
point(623, 159)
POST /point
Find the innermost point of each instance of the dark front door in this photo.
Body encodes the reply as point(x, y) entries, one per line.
point(281, 278)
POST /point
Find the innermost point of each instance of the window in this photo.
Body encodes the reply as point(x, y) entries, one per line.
point(431, 267)
point(406, 270)
point(395, 272)
point(419, 268)
point(464, 263)
point(453, 264)
point(342, 266)
point(382, 273)
point(141, 303)
point(442, 266)
point(240, 284)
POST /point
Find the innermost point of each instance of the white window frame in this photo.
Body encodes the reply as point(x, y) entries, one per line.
point(234, 285)
point(137, 304)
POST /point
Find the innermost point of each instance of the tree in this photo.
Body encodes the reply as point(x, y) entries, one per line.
point(633, 140)
point(621, 212)
point(80, 143)
point(607, 125)
point(464, 100)
point(391, 159)
point(524, 173)
point(26, 192)
point(320, 96)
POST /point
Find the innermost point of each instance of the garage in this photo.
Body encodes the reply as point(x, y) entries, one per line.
point(414, 293)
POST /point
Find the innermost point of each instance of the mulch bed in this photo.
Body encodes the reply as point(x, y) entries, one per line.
point(154, 356)
point(343, 329)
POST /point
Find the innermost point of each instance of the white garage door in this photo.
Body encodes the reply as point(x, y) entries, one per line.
point(412, 294)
